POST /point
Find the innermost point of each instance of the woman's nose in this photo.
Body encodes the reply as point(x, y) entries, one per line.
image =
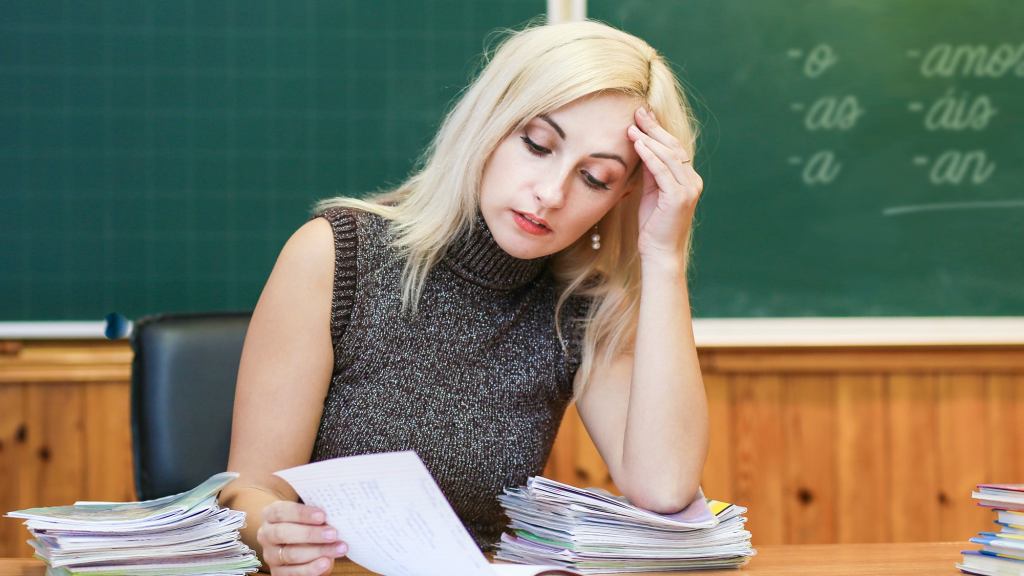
point(551, 194)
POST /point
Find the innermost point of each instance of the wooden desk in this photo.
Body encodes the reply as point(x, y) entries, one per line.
point(919, 559)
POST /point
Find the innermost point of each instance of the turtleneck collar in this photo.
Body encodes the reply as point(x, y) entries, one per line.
point(479, 259)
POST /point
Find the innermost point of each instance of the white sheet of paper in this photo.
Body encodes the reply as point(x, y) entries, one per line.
point(393, 516)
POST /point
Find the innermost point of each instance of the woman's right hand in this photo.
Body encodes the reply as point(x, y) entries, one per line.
point(297, 541)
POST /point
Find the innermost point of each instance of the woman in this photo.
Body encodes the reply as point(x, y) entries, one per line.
point(538, 256)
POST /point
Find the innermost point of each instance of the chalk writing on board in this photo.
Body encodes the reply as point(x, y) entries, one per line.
point(958, 112)
point(821, 168)
point(837, 113)
point(971, 61)
point(954, 109)
point(819, 60)
point(958, 167)
point(945, 206)
point(833, 113)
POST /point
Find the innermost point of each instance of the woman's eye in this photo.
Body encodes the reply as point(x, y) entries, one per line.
point(533, 147)
point(593, 182)
point(538, 150)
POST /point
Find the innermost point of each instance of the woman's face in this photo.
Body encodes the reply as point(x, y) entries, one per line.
point(551, 182)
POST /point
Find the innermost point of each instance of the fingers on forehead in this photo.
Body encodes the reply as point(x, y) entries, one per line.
point(664, 138)
point(654, 129)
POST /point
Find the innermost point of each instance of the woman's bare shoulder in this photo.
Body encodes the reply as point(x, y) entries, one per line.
point(304, 268)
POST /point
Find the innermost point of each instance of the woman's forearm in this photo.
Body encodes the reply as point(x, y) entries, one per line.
point(251, 499)
point(666, 436)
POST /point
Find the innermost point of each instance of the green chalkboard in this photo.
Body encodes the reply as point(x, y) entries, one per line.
point(155, 156)
point(860, 157)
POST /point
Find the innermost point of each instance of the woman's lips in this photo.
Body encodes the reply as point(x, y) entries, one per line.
point(530, 224)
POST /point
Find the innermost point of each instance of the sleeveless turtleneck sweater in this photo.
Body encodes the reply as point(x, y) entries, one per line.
point(475, 383)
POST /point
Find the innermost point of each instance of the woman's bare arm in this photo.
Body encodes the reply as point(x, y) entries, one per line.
point(648, 413)
point(284, 375)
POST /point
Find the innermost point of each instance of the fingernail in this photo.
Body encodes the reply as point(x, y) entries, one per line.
point(323, 564)
point(644, 112)
point(342, 548)
point(330, 534)
point(633, 130)
point(318, 517)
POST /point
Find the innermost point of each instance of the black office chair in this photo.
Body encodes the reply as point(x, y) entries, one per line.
point(183, 390)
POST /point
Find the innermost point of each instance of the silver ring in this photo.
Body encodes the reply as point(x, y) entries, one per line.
point(280, 555)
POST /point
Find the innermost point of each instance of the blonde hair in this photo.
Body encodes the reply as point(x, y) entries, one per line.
point(533, 71)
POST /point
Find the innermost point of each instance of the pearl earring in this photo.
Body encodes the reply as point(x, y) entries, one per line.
point(595, 239)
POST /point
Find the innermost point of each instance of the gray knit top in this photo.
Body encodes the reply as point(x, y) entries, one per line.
point(476, 383)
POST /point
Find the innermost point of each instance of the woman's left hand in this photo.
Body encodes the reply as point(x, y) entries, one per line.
point(671, 188)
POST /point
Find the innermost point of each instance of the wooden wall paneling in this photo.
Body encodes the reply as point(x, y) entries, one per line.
point(53, 467)
point(913, 462)
point(108, 442)
point(962, 455)
point(1004, 434)
point(64, 361)
point(563, 454)
point(717, 479)
point(862, 455)
point(13, 435)
point(577, 460)
point(55, 470)
point(590, 470)
point(872, 435)
point(809, 419)
point(759, 454)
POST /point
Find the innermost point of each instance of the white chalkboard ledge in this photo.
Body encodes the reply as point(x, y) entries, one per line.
point(69, 330)
point(725, 332)
point(865, 331)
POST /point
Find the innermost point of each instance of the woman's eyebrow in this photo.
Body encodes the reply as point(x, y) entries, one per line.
point(610, 156)
point(561, 133)
point(554, 125)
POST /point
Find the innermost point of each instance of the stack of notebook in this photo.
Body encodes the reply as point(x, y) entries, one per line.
point(1002, 552)
point(186, 534)
point(594, 532)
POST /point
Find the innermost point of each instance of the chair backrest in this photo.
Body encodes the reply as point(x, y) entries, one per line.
point(183, 391)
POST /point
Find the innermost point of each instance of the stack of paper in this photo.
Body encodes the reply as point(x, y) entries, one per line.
point(187, 533)
point(594, 532)
point(1002, 552)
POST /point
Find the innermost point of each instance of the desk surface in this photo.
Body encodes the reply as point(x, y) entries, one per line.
point(928, 558)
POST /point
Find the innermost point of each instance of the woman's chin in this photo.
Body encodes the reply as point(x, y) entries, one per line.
point(525, 248)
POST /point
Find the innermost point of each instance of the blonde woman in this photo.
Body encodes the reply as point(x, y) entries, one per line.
point(538, 256)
